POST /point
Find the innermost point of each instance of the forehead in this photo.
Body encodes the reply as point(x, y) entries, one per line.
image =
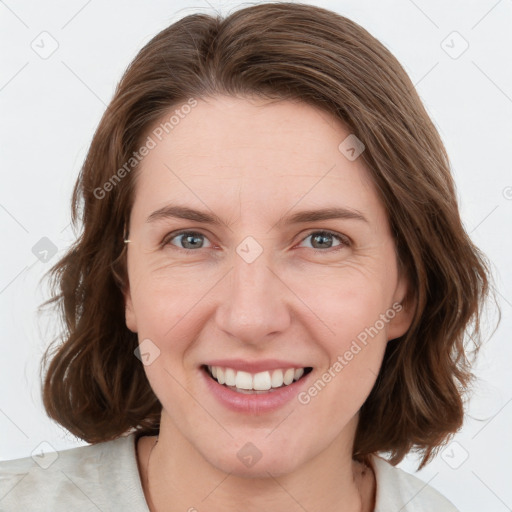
point(235, 132)
point(251, 152)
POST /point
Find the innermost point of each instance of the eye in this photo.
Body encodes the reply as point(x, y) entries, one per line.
point(185, 240)
point(323, 240)
point(193, 240)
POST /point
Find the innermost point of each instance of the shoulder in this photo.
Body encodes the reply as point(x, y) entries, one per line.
point(399, 490)
point(98, 476)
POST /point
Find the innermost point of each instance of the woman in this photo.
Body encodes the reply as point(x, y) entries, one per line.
point(272, 285)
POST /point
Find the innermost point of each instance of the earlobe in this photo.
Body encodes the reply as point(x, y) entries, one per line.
point(402, 320)
point(403, 307)
point(131, 320)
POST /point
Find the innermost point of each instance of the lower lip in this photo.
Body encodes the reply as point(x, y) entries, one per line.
point(253, 403)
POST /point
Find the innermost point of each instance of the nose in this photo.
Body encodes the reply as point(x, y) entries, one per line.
point(254, 304)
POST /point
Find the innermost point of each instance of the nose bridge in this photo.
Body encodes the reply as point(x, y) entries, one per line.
point(253, 302)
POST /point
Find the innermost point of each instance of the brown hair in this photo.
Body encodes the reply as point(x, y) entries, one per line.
point(95, 386)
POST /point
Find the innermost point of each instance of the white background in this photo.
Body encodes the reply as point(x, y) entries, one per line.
point(51, 107)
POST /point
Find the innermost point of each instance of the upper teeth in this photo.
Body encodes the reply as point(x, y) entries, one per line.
point(258, 381)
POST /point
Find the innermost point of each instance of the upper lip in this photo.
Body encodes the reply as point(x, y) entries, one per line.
point(254, 366)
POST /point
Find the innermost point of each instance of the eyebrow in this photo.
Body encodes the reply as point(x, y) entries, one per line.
point(184, 212)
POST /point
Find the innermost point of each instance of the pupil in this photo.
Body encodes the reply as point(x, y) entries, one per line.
point(190, 237)
point(322, 236)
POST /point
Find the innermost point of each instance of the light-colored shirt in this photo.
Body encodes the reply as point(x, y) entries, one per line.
point(105, 477)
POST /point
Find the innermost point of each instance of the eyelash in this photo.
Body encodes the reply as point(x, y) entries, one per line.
point(343, 239)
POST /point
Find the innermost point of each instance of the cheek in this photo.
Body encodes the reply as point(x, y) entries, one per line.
point(163, 318)
point(163, 301)
point(342, 304)
point(348, 328)
point(354, 353)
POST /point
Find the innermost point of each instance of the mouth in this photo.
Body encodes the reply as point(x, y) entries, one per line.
point(255, 383)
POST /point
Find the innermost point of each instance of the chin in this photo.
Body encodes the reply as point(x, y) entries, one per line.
point(247, 461)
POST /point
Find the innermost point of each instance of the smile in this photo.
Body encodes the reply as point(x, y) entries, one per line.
point(256, 383)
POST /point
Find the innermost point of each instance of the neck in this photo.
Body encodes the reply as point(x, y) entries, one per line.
point(174, 472)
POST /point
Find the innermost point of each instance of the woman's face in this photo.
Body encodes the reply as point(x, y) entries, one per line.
point(242, 280)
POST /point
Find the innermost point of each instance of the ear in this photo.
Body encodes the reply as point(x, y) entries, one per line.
point(131, 319)
point(404, 308)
